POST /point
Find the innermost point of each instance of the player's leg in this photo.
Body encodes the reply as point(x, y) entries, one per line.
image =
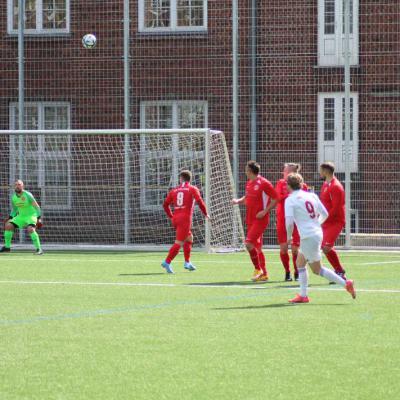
point(250, 242)
point(187, 248)
point(35, 238)
point(331, 233)
point(253, 245)
point(9, 228)
point(295, 251)
point(283, 248)
point(331, 276)
point(302, 297)
point(310, 252)
point(261, 259)
point(182, 229)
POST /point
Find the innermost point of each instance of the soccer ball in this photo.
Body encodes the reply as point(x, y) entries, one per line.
point(89, 41)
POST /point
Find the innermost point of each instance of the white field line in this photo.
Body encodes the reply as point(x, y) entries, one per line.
point(194, 285)
point(158, 260)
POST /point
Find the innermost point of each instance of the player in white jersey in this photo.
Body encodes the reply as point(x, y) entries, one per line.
point(306, 211)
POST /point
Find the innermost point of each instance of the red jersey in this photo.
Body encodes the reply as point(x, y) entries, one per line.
point(183, 198)
point(259, 193)
point(333, 198)
point(282, 192)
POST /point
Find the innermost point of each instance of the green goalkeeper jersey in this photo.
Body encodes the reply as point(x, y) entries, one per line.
point(22, 205)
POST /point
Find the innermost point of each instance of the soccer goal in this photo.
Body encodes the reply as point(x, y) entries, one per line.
point(105, 188)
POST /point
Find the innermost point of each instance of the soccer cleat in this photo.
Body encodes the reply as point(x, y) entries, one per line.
point(256, 273)
point(260, 277)
point(5, 249)
point(39, 252)
point(288, 277)
point(296, 276)
point(350, 288)
point(167, 267)
point(299, 299)
point(189, 266)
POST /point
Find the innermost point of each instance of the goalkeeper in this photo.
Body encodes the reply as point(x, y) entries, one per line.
point(25, 213)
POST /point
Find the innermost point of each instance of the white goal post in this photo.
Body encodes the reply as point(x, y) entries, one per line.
point(105, 188)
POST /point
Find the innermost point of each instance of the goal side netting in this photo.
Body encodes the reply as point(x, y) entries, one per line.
point(105, 189)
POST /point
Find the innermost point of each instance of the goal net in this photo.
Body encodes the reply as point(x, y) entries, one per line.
point(106, 188)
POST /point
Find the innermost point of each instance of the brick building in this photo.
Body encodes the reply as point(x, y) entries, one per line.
point(181, 76)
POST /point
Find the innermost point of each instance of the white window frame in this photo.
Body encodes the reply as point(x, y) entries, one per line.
point(39, 21)
point(174, 153)
point(41, 152)
point(338, 143)
point(173, 20)
point(331, 46)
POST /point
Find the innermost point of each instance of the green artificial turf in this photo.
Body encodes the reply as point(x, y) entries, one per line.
point(115, 326)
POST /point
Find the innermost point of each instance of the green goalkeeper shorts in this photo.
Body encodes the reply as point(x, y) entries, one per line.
point(22, 222)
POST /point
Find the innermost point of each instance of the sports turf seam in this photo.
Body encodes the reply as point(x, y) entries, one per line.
point(119, 310)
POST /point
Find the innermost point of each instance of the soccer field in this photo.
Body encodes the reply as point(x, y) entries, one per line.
point(115, 326)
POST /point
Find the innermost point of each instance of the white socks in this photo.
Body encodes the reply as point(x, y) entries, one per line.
point(303, 280)
point(331, 276)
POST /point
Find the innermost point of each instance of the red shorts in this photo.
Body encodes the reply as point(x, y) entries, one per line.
point(182, 226)
point(282, 234)
point(255, 232)
point(331, 232)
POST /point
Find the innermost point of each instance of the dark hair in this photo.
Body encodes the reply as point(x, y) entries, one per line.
point(328, 166)
point(254, 166)
point(186, 175)
point(293, 166)
point(295, 181)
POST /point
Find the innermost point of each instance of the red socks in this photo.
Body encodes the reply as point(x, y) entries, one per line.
point(187, 248)
point(285, 261)
point(294, 257)
point(261, 261)
point(173, 252)
point(334, 261)
point(254, 258)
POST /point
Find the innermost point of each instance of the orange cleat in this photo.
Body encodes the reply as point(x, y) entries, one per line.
point(350, 288)
point(257, 272)
point(299, 299)
point(261, 277)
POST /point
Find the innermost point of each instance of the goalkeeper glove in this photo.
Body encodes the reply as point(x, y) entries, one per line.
point(39, 223)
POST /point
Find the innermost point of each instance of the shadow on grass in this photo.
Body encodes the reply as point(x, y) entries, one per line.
point(277, 305)
point(236, 283)
point(144, 274)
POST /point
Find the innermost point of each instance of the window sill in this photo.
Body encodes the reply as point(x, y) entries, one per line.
point(192, 33)
point(355, 66)
point(40, 35)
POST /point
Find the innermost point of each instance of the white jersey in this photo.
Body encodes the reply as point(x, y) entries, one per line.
point(307, 212)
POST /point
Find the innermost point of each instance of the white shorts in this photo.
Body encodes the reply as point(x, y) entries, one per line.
point(311, 248)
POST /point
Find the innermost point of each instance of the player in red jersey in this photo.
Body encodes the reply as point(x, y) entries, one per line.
point(182, 198)
point(333, 198)
point(282, 191)
point(260, 198)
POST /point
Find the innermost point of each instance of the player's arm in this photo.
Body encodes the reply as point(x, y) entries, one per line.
point(200, 202)
point(289, 218)
point(35, 204)
point(271, 192)
point(337, 197)
point(14, 212)
point(322, 211)
point(166, 205)
point(239, 201)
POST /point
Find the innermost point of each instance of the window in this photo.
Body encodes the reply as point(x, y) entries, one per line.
point(331, 38)
point(46, 161)
point(172, 15)
point(41, 16)
point(331, 129)
point(161, 157)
